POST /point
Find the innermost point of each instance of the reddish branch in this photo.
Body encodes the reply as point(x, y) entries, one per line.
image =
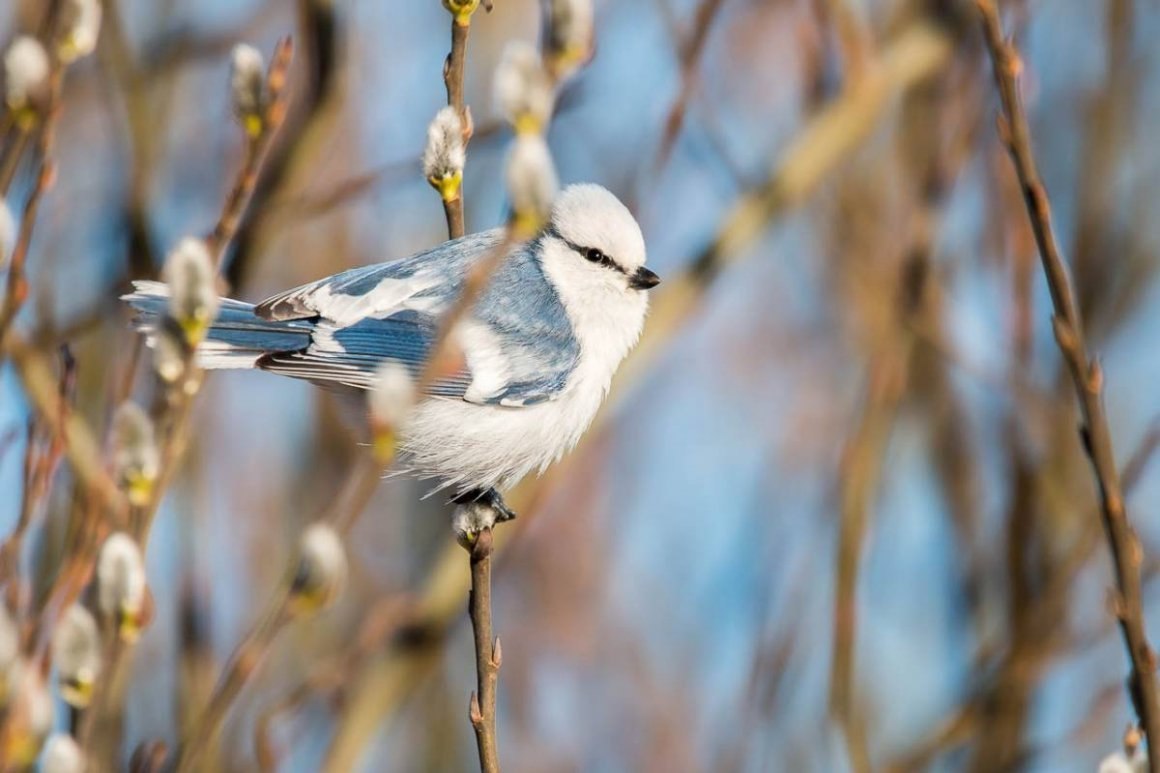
point(453, 79)
point(488, 654)
point(1087, 377)
point(16, 289)
point(256, 150)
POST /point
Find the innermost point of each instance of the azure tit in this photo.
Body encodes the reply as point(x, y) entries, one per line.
point(540, 346)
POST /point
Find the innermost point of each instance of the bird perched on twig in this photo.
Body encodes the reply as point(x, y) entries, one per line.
point(540, 345)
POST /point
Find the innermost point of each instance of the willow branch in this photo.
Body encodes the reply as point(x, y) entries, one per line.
point(80, 445)
point(488, 654)
point(1087, 378)
point(242, 666)
point(256, 150)
point(453, 79)
point(16, 288)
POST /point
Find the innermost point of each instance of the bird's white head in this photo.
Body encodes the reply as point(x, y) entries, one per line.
point(604, 241)
point(593, 252)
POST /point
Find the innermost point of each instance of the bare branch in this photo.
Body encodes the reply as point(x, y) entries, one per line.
point(1087, 378)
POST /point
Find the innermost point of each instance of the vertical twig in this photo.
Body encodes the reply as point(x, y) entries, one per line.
point(488, 655)
point(453, 79)
point(245, 660)
point(256, 149)
point(1087, 377)
point(16, 288)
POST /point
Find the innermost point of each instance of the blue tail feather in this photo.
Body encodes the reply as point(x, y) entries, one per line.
point(237, 337)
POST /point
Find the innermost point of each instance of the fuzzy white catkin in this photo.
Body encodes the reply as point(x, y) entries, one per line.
point(25, 71)
point(81, 25)
point(531, 178)
point(9, 639)
point(522, 89)
point(30, 703)
point(392, 394)
point(444, 156)
point(570, 25)
point(62, 754)
point(76, 653)
point(193, 298)
point(136, 458)
point(248, 82)
point(7, 233)
point(1120, 763)
point(120, 577)
point(322, 567)
point(168, 354)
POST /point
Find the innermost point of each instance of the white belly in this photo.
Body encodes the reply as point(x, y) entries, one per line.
point(471, 446)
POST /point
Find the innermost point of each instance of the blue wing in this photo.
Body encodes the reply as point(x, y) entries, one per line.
point(518, 342)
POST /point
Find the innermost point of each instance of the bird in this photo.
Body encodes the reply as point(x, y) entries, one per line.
point(540, 345)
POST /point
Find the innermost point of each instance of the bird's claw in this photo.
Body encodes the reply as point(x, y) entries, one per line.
point(476, 511)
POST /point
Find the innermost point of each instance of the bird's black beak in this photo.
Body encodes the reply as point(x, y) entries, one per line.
point(643, 279)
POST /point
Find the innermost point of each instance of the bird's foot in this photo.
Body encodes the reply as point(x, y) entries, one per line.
point(477, 510)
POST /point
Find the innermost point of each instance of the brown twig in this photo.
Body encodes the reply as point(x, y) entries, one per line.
point(10, 157)
point(243, 663)
point(453, 79)
point(302, 136)
point(690, 54)
point(16, 288)
point(860, 472)
point(385, 619)
point(80, 445)
point(256, 150)
point(42, 456)
point(1087, 378)
point(488, 654)
point(360, 485)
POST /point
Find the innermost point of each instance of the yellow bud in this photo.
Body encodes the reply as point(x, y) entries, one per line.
point(448, 186)
point(77, 691)
point(253, 125)
point(25, 118)
point(527, 123)
point(139, 490)
point(525, 225)
point(461, 10)
point(384, 445)
point(129, 626)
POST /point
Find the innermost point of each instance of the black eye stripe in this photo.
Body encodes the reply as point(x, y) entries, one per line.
point(591, 254)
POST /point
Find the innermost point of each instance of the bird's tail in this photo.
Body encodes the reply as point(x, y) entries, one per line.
point(237, 337)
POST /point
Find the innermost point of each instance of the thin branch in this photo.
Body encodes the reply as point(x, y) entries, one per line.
point(257, 148)
point(243, 663)
point(16, 288)
point(300, 139)
point(357, 490)
point(80, 445)
point(488, 654)
point(10, 157)
point(860, 473)
point(1087, 378)
point(690, 53)
point(453, 79)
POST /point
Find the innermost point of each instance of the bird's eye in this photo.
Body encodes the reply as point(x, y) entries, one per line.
point(595, 256)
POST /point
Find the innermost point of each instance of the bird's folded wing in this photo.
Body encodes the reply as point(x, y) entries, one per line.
point(425, 282)
point(517, 343)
